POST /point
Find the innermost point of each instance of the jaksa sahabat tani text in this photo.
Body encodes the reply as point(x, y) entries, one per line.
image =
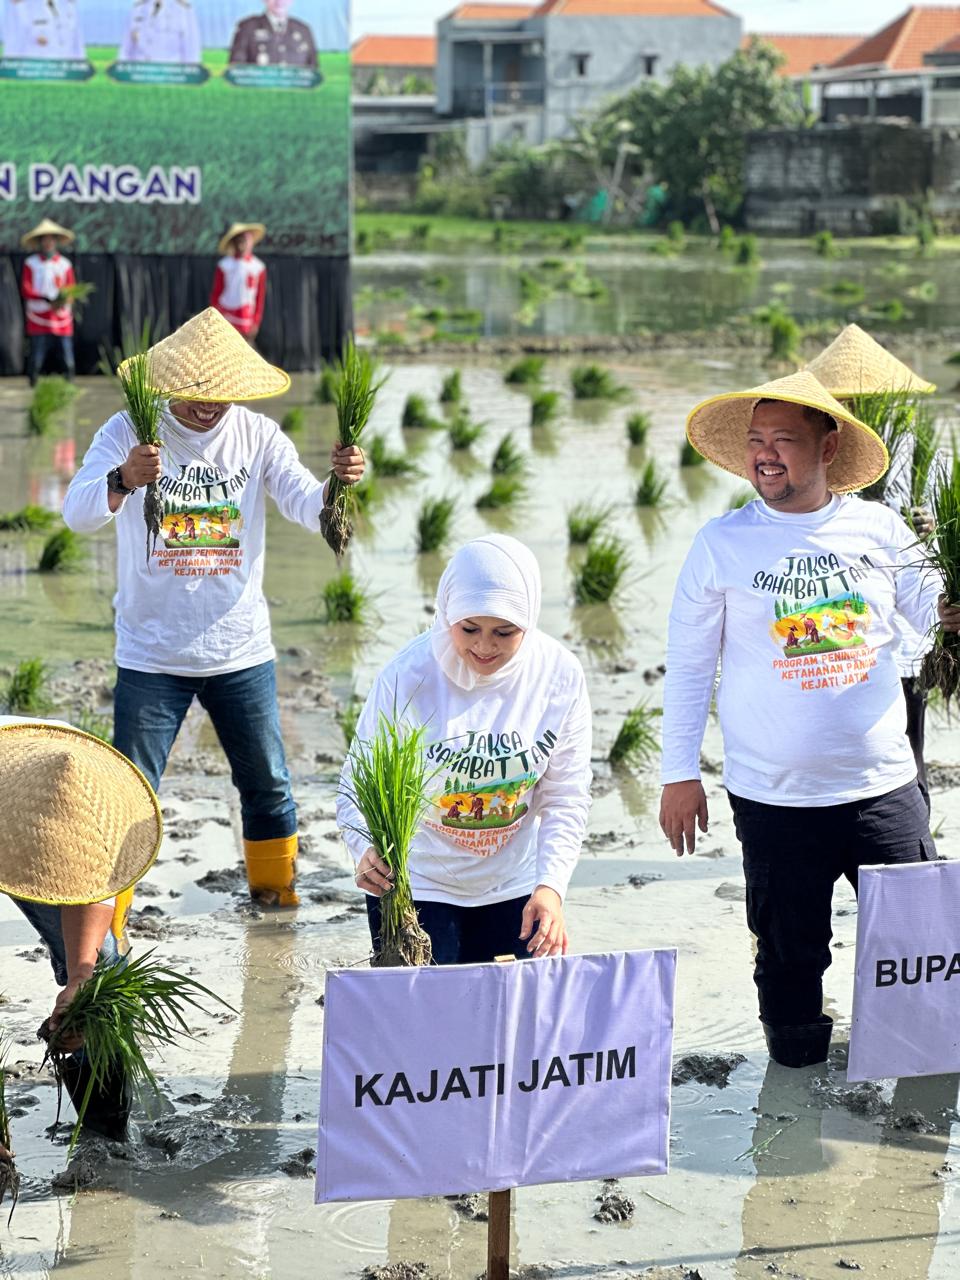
point(490, 1078)
point(913, 969)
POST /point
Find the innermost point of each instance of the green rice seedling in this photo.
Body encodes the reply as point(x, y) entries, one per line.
point(824, 245)
point(727, 240)
point(463, 431)
point(598, 578)
point(451, 392)
point(652, 486)
point(51, 396)
point(438, 281)
point(344, 600)
point(503, 492)
point(469, 317)
point(144, 405)
point(62, 552)
point(747, 251)
point(526, 370)
point(543, 407)
point(941, 665)
point(416, 415)
point(638, 425)
point(293, 420)
point(741, 498)
point(925, 446)
point(925, 291)
point(593, 382)
point(891, 414)
point(347, 717)
point(325, 392)
point(676, 233)
point(849, 291)
point(636, 743)
point(784, 335)
point(926, 237)
point(689, 456)
point(433, 523)
point(508, 460)
point(96, 725)
point(26, 692)
point(29, 519)
point(420, 233)
point(77, 294)
point(385, 463)
point(357, 387)
point(9, 1178)
point(120, 1012)
point(389, 781)
point(366, 493)
point(893, 311)
point(585, 520)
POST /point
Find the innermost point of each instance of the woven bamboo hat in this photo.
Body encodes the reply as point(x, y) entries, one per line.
point(46, 227)
point(257, 229)
point(717, 428)
point(207, 359)
point(78, 822)
point(855, 364)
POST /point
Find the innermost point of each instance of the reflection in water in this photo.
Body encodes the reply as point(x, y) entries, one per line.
point(432, 1231)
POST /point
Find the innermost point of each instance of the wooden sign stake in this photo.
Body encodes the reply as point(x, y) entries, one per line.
point(499, 1204)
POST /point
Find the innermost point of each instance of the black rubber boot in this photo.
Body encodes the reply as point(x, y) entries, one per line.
point(799, 1046)
point(109, 1107)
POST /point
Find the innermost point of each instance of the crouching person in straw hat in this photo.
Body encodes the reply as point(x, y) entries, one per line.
point(240, 281)
point(799, 594)
point(46, 273)
point(192, 620)
point(81, 825)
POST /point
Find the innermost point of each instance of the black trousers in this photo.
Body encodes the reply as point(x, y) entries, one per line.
point(465, 935)
point(916, 700)
point(792, 858)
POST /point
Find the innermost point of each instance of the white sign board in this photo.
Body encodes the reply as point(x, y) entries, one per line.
point(443, 1080)
point(906, 996)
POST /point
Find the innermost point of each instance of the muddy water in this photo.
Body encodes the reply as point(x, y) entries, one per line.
point(776, 1173)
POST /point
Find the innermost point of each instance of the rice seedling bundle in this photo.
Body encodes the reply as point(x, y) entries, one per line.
point(503, 492)
point(925, 441)
point(9, 1178)
point(652, 487)
point(451, 392)
point(599, 577)
point(543, 407)
point(508, 460)
point(463, 431)
point(941, 666)
point(526, 370)
point(636, 743)
point(26, 692)
point(689, 456)
point(144, 409)
point(77, 294)
point(593, 382)
point(51, 396)
point(585, 520)
point(293, 420)
point(385, 463)
point(120, 1012)
point(638, 427)
point(61, 552)
point(433, 523)
point(344, 599)
point(356, 393)
point(28, 519)
point(389, 788)
point(416, 416)
point(891, 414)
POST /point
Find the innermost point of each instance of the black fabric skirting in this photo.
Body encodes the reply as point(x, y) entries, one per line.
point(306, 318)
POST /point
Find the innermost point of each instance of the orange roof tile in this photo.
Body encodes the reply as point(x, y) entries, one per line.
point(949, 46)
point(631, 8)
point(901, 44)
point(394, 51)
point(492, 12)
point(804, 52)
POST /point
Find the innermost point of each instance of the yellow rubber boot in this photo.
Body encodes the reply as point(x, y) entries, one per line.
point(118, 925)
point(272, 870)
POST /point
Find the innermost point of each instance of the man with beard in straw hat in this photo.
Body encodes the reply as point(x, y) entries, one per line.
point(192, 621)
point(80, 826)
point(850, 796)
point(855, 365)
point(240, 281)
point(46, 273)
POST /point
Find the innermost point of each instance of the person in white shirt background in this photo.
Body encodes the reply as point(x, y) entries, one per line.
point(817, 765)
point(191, 619)
point(162, 31)
point(42, 29)
point(508, 715)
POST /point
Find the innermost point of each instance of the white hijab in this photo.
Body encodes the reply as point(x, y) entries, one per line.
point(491, 577)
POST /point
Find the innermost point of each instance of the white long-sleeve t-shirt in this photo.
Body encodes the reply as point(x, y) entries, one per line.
point(510, 788)
point(195, 606)
point(804, 613)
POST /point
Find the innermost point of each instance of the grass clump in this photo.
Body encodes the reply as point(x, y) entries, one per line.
point(638, 427)
point(416, 415)
point(357, 387)
point(689, 456)
point(543, 408)
point(636, 743)
point(585, 520)
point(599, 577)
point(29, 519)
point(120, 1012)
point(144, 404)
point(385, 463)
point(293, 420)
point(433, 523)
point(508, 460)
point(389, 780)
point(51, 396)
point(451, 392)
point(26, 692)
point(463, 431)
point(62, 552)
point(344, 600)
point(593, 382)
point(325, 392)
point(503, 492)
point(651, 487)
point(941, 665)
point(526, 370)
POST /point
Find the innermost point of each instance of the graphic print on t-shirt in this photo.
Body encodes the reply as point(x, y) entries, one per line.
point(202, 522)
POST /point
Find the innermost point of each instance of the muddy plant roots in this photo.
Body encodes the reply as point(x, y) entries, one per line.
point(9, 1180)
point(941, 666)
point(152, 516)
point(404, 943)
point(335, 525)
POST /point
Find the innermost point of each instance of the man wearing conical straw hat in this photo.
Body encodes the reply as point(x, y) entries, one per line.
point(192, 620)
point(79, 826)
point(240, 281)
point(799, 595)
point(46, 273)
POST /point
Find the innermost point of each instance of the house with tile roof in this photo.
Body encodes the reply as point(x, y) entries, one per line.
point(803, 53)
point(393, 64)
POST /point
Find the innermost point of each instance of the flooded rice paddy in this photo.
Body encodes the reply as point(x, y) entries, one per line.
point(773, 1172)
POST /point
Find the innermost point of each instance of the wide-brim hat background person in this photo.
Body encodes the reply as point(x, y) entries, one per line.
point(856, 364)
point(46, 227)
point(718, 428)
point(78, 822)
point(206, 359)
point(256, 229)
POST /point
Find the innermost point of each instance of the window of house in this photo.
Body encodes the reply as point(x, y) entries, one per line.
point(581, 62)
point(650, 61)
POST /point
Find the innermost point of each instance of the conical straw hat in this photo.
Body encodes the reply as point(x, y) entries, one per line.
point(718, 427)
point(46, 228)
point(855, 364)
point(78, 822)
point(207, 359)
point(237, 229)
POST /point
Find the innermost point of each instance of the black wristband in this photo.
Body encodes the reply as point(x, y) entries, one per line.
point(115, 483)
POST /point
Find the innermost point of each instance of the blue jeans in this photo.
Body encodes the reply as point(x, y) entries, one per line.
point(46, 921)
point(41, 344)
point(149, 708)
point(464, 935)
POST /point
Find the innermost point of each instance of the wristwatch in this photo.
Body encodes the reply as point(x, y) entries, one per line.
point(115, 483)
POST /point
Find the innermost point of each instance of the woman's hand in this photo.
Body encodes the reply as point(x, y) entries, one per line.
point(373, 874)
point(542, 924)
point(68, 1044)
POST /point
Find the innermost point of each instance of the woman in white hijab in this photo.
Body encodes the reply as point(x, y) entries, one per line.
point(509, 737)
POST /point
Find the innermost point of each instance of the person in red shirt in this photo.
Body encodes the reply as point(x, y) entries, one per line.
point(240, 283)
point(49, 316)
